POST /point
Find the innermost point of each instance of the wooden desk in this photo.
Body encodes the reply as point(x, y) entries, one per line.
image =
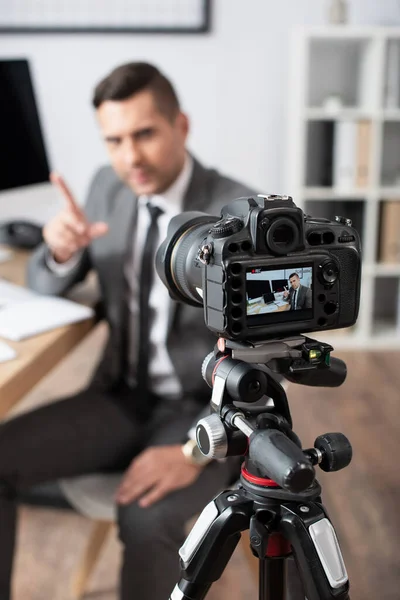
point(259, 308)
point(36, 355)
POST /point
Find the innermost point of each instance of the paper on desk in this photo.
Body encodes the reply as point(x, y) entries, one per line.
point(5, 254)
point(24, 319)
point(6, 352)
point(268, 308)
point(11, 293)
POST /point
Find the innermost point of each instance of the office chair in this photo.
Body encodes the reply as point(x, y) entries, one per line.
point(93, 497)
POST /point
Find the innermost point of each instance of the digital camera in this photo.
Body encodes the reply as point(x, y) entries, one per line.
point(263, 269)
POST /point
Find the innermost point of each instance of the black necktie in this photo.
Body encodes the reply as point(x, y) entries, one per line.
point(145, 283)
point(294, 300)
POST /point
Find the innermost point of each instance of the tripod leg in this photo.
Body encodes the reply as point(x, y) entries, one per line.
point(272, 578)
point(210, 544)
point(316, 550)
point(294, 587)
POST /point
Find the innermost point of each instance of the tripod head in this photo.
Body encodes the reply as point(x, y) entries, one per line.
point(251, 416)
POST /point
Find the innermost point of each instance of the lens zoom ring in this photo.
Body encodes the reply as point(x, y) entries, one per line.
point(180, 258)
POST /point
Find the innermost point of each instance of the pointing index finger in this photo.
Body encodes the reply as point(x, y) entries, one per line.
point(59, 182)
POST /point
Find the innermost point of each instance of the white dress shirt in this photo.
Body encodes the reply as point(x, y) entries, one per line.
point(162, 376)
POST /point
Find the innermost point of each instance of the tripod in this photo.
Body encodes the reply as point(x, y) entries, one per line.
point(278, 498)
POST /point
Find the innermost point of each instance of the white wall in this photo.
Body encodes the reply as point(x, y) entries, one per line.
point(232, 82)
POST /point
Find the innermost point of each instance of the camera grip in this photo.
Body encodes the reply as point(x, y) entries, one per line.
point(281, 459)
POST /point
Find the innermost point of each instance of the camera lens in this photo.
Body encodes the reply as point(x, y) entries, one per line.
point(177, 257)
point(329, 272)
point(282, 236)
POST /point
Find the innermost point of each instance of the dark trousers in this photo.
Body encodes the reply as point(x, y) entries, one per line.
point(96, 431)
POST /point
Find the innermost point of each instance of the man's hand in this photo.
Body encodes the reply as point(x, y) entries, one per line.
point(154, 473)
point(285, 293)
point(69, 231)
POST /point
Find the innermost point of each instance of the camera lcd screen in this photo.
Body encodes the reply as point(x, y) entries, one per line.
point(278, 295)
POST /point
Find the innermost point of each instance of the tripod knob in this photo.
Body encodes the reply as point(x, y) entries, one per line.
point(211, 437)
point(336, 451)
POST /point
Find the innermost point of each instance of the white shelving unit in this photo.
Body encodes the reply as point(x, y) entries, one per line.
point(343, 74)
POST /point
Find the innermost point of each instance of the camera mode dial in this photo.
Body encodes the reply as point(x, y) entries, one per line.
point(343, 221)
point(273, 197)
point(226, 227)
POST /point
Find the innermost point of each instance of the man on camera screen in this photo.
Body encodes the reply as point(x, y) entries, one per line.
point(299, 296)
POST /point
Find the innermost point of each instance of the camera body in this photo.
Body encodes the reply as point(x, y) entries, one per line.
point(263, 240)
point(264, 269)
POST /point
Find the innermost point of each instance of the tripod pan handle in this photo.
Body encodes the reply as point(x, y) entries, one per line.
point(277, 457)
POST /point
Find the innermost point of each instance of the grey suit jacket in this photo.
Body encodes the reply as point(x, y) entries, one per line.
point(110, 200)
point(304, 297)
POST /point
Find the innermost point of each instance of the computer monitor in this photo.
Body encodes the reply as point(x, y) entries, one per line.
point(25, 191)
point(278, 285)
point(256, 288)
point(24, 159)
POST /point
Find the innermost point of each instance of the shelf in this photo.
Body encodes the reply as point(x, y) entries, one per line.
point(349, 63)
point(387, 340)
point(384, 341)
point(390, 114)
point(328, 193)
point(346, 32)
point(392, 192)
point(382, 270)
point(385, 330)
point(356, 114)
point(385, 337)
point(344, 133)
point(337, 337)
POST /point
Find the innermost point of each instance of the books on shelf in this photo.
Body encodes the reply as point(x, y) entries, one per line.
point(363, 153)
point(344, 155)
point(338, 154)
point(389, 247)
point(351, 153)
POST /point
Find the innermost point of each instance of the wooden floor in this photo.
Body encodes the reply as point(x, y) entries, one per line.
point(363, 500)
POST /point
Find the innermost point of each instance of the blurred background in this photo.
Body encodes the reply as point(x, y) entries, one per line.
point(298, 97)
point(233, 82)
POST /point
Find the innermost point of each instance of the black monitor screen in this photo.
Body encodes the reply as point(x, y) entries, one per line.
point(291, 297)
point(22, 151)
point(278, 285)
point(257, 288)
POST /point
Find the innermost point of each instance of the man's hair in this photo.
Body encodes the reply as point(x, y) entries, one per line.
point(294, 275)
point(127, 80)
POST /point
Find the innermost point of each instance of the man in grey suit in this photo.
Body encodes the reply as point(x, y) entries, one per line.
point(299, 296)
point(116, 423)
